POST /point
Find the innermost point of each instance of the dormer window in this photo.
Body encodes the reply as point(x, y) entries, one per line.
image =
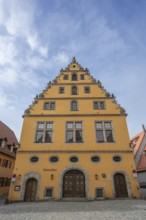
point(74, 77)
point(74, 90)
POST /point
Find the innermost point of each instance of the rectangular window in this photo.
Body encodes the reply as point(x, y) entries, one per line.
point(49, 106)
point(44, 132)
point(87, 89)
point(74, 132)
point(49, 192)
point(99, 105)
point(65, 77)
point(61, 90)
point(82, 77)
point(99, 192)
point(5, 163)
point(104, 132)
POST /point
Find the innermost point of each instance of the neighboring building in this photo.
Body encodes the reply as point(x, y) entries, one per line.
point(8, 142)
point(74, 143)
point(138, 143)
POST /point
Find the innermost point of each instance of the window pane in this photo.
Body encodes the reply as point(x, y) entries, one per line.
point(65, 77)
point(107, 125)
point(98, 124)
point(82, 76)
point(61, 90)
point(79, 136)
point(74, 90)
point(49, 125)
point(49, 193)
point(109, 136)
point(74, 77)
point(87, 90)
point(46, 106)
point(48, 137)
point(101, 105)
point(39, 137)
point(40, 125)
point(69, 137)
point(74, 106)
point(100, 137)
point(70, 125)
point(52, 105)
point(78, 125)
point(95, 105)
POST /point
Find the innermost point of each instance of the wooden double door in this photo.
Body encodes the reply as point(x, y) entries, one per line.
point(30, 190)
point(74, 184)
point(120, 185)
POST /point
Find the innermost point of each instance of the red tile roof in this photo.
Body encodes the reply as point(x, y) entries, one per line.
point(6, 132)
point(139, 139)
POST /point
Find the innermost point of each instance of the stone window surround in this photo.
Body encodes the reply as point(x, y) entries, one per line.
point(112, 128)
point(45, 122)
point(52, 192)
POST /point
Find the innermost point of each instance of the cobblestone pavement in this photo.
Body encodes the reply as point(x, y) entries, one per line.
point(108, 209)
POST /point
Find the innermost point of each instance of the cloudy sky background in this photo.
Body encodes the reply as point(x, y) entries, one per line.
point(38, 38)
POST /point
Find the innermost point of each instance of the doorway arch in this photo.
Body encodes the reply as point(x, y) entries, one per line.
point(30, 190)
point(120, 186)
point(73, 184)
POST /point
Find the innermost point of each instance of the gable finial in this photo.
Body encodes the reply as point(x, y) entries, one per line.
point(74, 60)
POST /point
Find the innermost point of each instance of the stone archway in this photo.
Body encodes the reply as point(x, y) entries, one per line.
point(27, 176)
point(73, 184)
point(30, 190)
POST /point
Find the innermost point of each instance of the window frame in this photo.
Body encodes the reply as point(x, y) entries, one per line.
point(61, 87)
point(87, 87)
point(72, 75)
point(50, 103)
point(45, 190)
point(103, 129)
point(82, 76)
point(73, 130)
point(98, 105)
point(72, 108)
point(44, 130)
point(65, 77)
point(99, 197)
point(74, 87)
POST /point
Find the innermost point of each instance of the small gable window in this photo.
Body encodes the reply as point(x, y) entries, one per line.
point(65, 77)
point(61, 90)
point(87, 89)
point(82, 77)
point(74, 77)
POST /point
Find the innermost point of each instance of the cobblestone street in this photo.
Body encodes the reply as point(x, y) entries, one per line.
point(113, 209)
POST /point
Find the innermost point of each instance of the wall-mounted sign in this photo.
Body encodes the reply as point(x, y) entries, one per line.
point(49, 169)
point(17, 188)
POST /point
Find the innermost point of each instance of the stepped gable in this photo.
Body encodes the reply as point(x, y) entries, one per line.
point(74, 66)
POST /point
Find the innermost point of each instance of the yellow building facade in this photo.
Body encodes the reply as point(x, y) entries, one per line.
point(74, 143)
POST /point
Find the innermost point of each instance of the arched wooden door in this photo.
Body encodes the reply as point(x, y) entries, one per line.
point(74, 184)
point(120, 185)
point(30, 190)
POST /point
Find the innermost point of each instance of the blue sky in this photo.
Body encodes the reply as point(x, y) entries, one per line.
point(38, 38)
